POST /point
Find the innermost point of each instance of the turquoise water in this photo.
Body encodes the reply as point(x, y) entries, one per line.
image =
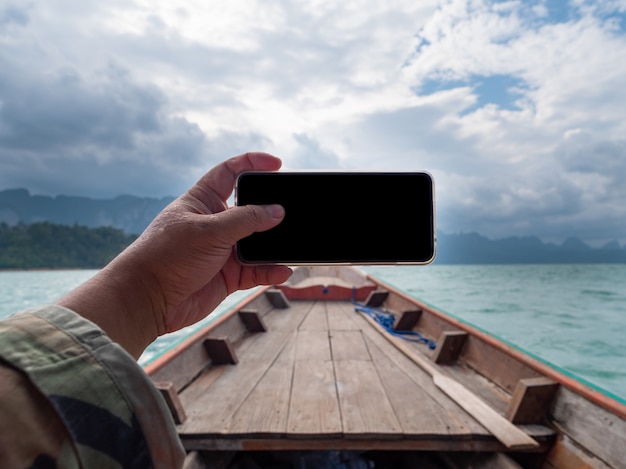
point(573, 316)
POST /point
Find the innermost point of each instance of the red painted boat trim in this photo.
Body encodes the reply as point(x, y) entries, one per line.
point(326, 293)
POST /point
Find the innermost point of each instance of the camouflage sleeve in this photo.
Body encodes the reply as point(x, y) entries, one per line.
point(70, 397)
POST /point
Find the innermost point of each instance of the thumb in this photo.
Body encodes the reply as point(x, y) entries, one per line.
point(241, 221)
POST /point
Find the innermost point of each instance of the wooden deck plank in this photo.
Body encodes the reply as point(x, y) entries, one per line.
point(418, 413)
point(316, 319)
point(313, 345)
point(314, 407)
point(211, 412)
point(365, 409)
point(348, 345)
point(461, 424)
point(339, 316)
point(266, 409)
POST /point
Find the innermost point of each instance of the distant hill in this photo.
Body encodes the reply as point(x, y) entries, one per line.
point(46, 246)
point(132, 215)
point(473, 248)
point(128, 213)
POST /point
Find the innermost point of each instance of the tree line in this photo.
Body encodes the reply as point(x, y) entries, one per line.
point(48, 245)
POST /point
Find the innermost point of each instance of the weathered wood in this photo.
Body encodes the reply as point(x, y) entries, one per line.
point(265, 410)
point(316, 318)
point(376, 298)
point(168, 391)
point(313, 345)
point(365, 409)
point(449, 347)
point(252, 320)
point(314, 407)
point(340, 315)
point(596, 429)
point(531, 400)
point(408, 320)
point(501, 428)
point(348, 345)
point(417, 412)
point(277, 298)
point(183, 363)
point(567, 454)
point(211, 413)
point(460, 426)
point(220, 350)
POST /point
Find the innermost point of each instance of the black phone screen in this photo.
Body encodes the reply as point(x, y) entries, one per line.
point(341, 217)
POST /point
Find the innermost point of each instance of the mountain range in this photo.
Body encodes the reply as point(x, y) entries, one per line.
point(133, 214)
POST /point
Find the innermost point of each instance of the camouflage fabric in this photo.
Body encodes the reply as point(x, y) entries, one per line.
point(72, 398)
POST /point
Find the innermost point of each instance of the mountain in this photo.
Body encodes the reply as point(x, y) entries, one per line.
point(128, 213)
point(473, 248)
point(132, 215)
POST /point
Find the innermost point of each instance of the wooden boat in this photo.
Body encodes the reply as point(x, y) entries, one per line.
point(318, 373)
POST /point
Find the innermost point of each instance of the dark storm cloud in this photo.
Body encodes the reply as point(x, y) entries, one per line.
point(98, 135)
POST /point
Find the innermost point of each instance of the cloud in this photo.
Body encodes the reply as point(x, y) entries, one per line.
point(515, 107)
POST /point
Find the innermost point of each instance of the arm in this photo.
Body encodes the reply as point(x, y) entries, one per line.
point(183, 265)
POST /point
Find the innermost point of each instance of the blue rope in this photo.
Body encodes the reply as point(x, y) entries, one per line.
point(386, 320)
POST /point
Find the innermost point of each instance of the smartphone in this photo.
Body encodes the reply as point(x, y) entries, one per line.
point(361, 218)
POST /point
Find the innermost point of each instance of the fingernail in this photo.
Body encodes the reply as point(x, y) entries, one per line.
point(275, 211)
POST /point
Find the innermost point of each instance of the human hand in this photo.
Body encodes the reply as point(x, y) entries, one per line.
point(184, 264)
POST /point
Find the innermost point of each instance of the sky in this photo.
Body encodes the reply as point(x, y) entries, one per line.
point(517, 108)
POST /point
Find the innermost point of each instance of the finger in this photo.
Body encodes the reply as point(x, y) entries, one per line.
point(270, 274)
point(238, 222)
point(221, 179)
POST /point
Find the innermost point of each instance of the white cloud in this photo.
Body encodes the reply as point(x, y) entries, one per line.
point(516, 107)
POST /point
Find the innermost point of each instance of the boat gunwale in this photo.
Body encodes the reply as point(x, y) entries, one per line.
point(544, 368)
point(547, 369)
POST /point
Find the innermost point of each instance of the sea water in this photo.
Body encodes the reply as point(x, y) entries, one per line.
point(572, 316)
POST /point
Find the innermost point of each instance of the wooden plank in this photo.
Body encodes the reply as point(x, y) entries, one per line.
point(340, 316)
point(220, 350)
point(408, 320)
point(600, 432)
point(348, 345)
point(252, 320)
point(449, 347)
point(168, 391)
point(265, 410)
point(511, 436)
point(314, 407)
point(460, 425)
point(365, 409)
point(418, 413)
point(313, 345)
point(316, 318)
point(531, 400)
point(501, 428)
point(210, 413)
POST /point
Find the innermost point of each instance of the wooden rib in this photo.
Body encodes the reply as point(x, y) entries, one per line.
point(408, 320)
point(531, 400)
point(449, 347)
point(252, 320)
point(168, 391)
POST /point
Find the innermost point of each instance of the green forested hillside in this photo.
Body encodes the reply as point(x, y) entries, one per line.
point(47, 245)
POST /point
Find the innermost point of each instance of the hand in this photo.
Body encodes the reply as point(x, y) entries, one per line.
point(184, 264)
